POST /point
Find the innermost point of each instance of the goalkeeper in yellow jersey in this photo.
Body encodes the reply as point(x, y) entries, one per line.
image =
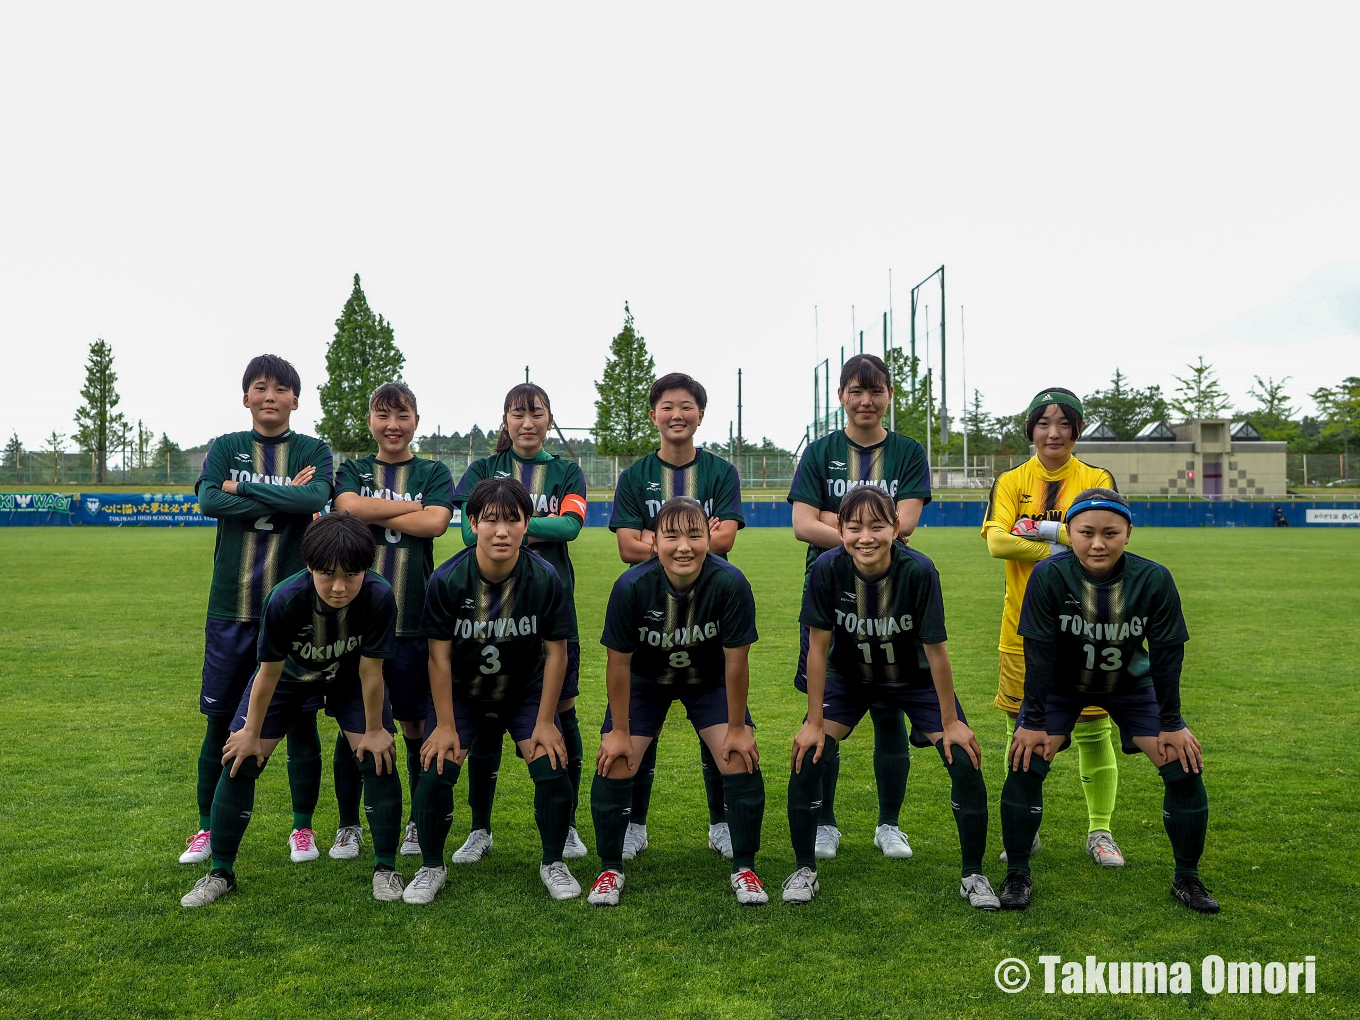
point(1024, 524)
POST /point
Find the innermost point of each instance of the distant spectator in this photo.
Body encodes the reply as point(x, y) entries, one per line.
point(1281, 521)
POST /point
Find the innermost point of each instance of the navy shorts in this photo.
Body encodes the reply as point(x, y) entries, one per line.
point(571, 683)
point(1136, 713)
point(846, 703)
point(407, 675)
point(518, 716)
point(800, 677)
point(648, 704)
point(343, 703)
point(229, 650)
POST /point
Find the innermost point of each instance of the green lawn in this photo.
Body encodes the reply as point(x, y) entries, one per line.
point(99, 665)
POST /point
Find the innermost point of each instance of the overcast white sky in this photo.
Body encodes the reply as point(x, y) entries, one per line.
point(1107, 185)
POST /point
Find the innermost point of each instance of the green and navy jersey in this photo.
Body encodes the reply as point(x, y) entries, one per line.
point(1099, 629)
point(259, 530)
point(647, 483)
point(498, 628)
point(551, 481)
point(407, 561)
point(319, 644)
point(834, 465)
point(880, 626)
point(679, 637)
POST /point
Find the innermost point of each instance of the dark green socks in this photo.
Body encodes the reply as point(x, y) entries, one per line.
point(382, 804)
point(744, 794)
point(552, 806)
point(642, 784)
point(232, 804)
point(483, 765)
point(714, 786)
point(571, 733)
point(210, 766)
point(1185, 813)
point(830, 766)
point(1022, 809)
point(610, 803)
point(433, 811)
point(348, 783)
point(807, 788)
point(892, 760)
point(304, 769)
point(968, 798)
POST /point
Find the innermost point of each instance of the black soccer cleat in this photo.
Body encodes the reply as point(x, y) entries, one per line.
point(1190, 891)
point(1015, 890)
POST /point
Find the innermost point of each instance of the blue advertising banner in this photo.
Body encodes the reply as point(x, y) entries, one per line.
point(167, 509)
point(37, 509)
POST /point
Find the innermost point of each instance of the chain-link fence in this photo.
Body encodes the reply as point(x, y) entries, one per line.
point(1309, 470)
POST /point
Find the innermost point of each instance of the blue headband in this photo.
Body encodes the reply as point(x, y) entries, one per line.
point(1096, 503)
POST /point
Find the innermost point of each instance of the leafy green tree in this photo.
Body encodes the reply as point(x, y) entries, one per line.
point(361, 357)
point(14, 453)
point(1199, 394)
point(1124, 408)
point(979, 427)
point(1339, 411)
point(622, 425)
point(97, 423)
point(910, 410)
point(1273, 415)
point(121, 441)
point(55, 447)
point(170, 459)
point(143, 438)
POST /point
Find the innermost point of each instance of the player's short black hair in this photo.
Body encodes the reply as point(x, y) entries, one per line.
point(525, 395)
point(680, 513)
point(338, 541)
point(1071, 414)
point(506, 497)
point(271, 368)
point(866, 369)
point(678, 381)
point(393, 396)
point(868, 503)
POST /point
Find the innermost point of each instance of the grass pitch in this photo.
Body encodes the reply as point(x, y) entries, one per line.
point(99, 665)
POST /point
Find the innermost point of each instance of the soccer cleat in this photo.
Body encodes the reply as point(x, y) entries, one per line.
point(410, 844)
point(1101, 846)
point(200, 848)
point(605, 891)
point(212, 887)
point(1034, 848)
point(425, 885)
point(634, 841)
point(474, 848)
point(828, 839)
point(1190, 891)
point(387, 885)
point(302, 846)
point(750, 893)
point(801, 886)
point(892, 841)
point(573, 848)
point(561, 884)
point(720, 839)
point(978, 891)
point(348, 840)
point(1015, 890)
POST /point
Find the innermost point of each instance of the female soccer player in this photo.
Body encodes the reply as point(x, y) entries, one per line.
point(862, 453)
point(1085, 621)
point(498, 620)
point(1024, 526)
point(876, 633)
point(407, 502)
point(557, 490)
point(679, 627)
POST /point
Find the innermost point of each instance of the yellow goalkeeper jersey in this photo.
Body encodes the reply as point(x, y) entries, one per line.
point(1032, 491)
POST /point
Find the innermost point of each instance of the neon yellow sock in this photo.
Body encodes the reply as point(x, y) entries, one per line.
point(1099, 770)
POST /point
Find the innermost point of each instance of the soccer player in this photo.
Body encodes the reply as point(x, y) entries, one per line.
point(325, 633)
point(407, 502)
point(1024, 526)
point(1085, 620)
point(876, 633)
point(679, 627)
point(862, 453)
point(498, 620)
point(678, 468)
point(263, 486)
point(557, 490)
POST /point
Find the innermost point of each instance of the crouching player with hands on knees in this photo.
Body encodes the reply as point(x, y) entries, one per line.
point(498, 621)
point(679, 627)
point(1085, 619)
point(876, 634)
point(323, 638)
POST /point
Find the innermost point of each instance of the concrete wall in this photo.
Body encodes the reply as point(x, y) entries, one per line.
point(1248, 468)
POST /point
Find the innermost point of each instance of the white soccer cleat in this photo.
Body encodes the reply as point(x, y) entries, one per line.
point(634, 841)
point(720, 839)
point(978, 892)
point(209, 889)
point(410, 845)
point(1102, 847)
point(892, 841)
point(801, 886)
point(750, 893)
point(200, 848)
point(1034, 848)
point(573, 847)
point(348, 840)
point(828, 840)
point(387, 886)
point(474, 848)
point(302, 846)
point(559, 880)
point(425, 885)
point(605, 892)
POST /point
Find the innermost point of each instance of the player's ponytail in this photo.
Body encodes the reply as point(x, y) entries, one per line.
point(523, 396)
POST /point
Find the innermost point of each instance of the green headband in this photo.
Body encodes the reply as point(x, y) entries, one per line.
point(1055, 397)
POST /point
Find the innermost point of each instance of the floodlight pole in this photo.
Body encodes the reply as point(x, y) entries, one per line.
point(944, 411)
point(740, 451)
